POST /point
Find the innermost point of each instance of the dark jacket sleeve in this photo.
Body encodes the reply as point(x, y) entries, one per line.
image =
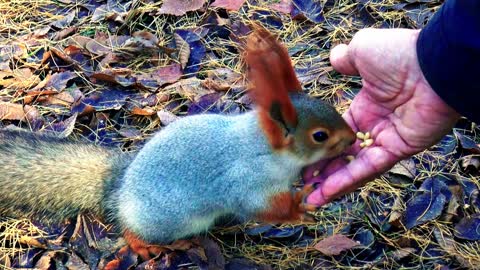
point(448, 50)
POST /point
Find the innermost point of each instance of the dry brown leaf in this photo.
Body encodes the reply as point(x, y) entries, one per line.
point(13, 51)
point(183, 50)
point(64, 33)
point(160, 76)
point(222, 79)
point(42, 32)
point(46, 261)
point(335, 244)
point(80, 41)
point(396, 213)
point(406, 168)
point(11, 111)
point(143, 111)
point(402, 253)
point(189, 88)
point(31, 242)
point(63, 98)
point(233, 5)
point(21, 78)
point(180, 7)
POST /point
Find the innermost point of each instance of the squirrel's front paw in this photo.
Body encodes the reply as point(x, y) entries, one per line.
point(300, 198)
point(287, 207)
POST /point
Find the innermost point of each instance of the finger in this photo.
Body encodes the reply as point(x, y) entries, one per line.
point(370, 163)
point(341, 60)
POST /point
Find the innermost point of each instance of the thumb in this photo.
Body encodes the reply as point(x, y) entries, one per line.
point(341, 60)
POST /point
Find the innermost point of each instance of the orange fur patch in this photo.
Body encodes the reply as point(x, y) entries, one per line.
point(287, 207)
point(271, 77)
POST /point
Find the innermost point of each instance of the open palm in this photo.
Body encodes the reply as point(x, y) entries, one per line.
point(396, 105)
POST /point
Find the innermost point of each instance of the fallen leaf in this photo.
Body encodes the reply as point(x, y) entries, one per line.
point(46, 261)
point(335, 244)
point(19, 78)
point(223, 79)
point(13, 51)
point(402, 253)
point(112, 10)
point(470, 162)
point(467, 143)
point(63, 99)
point(130, 132)
point(190, 88)
point(75, 263)
point(58, 81)
point(11, 111)
point(166, 117)
point(284, 6)
point(118, 76)
point(406, 168)
point(468, 228)
point(180, 7)
point(215, 259)
point(158, 77)
point(31, 242)
point(64, 33)
point(424, 207)
point(183, 50)
point(65, 21)
point(233, 5)
point(311, 9)
point(197, 50)
point(277, 233)
point(258, 230)
point(143, 111)
point(69, 126)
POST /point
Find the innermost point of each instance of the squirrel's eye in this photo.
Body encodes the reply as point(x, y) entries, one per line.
point(320, 136)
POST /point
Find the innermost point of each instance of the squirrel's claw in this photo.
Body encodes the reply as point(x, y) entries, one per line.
point(289, 207)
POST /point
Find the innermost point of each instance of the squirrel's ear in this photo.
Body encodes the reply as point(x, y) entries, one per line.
point(271, 77)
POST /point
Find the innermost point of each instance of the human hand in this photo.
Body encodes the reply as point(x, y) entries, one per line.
point(396, 105)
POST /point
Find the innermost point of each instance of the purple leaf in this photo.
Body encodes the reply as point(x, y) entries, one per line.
point(197, 50)
point(311, 9)
point(257, 230)
point(284, 232)
point(424, 207)
point(467, 143)
point(468, 228)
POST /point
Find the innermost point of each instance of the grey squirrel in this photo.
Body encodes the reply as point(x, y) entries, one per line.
point(193, 171)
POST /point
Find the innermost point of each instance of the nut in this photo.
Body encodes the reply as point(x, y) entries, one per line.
point(368, 142)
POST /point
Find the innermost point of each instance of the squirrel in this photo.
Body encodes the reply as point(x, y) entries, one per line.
point(191, 172)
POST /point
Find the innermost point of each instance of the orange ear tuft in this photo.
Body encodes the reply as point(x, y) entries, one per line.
point(272, 77)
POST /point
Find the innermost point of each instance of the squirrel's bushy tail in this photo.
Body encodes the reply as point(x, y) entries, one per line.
point(44, 176)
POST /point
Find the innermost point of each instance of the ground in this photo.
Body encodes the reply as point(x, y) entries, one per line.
point(115, 72)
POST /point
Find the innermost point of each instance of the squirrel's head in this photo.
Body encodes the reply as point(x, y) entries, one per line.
point(320, 133)
point(306, 127)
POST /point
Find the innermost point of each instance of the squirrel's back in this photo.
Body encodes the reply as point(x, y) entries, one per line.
point(45, 176)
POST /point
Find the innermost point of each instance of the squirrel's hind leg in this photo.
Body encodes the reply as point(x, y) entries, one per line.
point(136, 245)
point(288, 207)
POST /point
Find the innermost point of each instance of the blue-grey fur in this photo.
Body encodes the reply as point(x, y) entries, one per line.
point(202, 167)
